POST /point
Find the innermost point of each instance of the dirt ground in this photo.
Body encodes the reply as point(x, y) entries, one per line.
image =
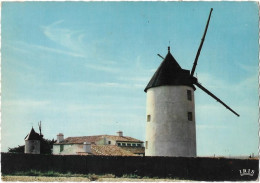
point(77, 179)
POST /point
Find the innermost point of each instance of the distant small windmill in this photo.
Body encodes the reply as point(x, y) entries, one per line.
point(170, 127)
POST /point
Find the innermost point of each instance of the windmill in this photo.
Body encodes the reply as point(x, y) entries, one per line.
point(171, 127)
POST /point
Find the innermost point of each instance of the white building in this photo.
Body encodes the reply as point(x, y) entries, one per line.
point(170, 126)
point(113, 145)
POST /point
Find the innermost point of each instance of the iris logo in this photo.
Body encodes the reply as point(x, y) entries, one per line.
point(246, 172)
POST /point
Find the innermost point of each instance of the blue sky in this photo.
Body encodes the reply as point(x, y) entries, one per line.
point(81, 68)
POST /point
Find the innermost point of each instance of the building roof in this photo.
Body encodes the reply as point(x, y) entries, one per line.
point(170, 73)
point(110, 150)
point(32, 135)
point(99, 150)
point(122, 138)
point(93, 139)
point(81, 140)
point(135, 150)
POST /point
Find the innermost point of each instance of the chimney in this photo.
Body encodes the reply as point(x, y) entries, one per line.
point(120, 133)
point(60, 138)
point(87, 147)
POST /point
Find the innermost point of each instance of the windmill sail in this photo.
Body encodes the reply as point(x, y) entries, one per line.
point(171, 67)
point(212, 95)
point(160, 56)
point(201, 44)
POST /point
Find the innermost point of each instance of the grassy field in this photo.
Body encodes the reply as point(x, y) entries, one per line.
point(51, 176)
point(79, 179)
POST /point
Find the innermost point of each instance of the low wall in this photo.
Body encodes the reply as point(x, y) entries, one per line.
point(218, 169)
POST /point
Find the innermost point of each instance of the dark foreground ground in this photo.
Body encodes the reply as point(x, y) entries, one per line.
point(169, 168)
point(80, 179)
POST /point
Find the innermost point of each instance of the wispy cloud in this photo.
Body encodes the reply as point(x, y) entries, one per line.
point(16, 47)
point(202, 127)
point(101, 85)
point(59, 51)
point(248, 68)
point(105, 107)
point(68, 42)
point(78, 43)
point(103, 68)
point(26, 48)
point(84, 107)
point(134, 79)
point(240, 96)
point(210, 81)
point(68, 38)
point(26, 103)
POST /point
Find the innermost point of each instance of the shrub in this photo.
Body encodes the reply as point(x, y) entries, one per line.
point(131, 176)
point(92, 177)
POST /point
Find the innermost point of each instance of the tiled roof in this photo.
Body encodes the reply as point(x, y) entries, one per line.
point(110, 150)
point(170, 73)
point(98, 150)
point(81, 140)
point(33, 135)
point(135, 150)
point(122, 138)
point(93, 139)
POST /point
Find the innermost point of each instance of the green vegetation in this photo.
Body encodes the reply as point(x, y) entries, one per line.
point(131, 176)
point(19, 149)
point(52, 173)
point(91, 177)
point(39, 173)
point(45, 147)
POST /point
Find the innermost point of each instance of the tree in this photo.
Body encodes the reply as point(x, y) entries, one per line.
point(19, 149)
point(45, 147)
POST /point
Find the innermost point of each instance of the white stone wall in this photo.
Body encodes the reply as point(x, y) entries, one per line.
point(32, 147)
point(67, 148)
point(112, 142)
point(169, 132)
point(104, 141)
point(55, 149)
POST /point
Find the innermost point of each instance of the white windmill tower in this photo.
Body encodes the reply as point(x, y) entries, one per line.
point(171, 126)
point(32, 143)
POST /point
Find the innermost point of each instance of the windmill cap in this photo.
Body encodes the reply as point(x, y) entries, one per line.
point(170, 73)
point(33, 135)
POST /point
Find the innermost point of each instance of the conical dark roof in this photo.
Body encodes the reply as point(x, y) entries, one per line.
point(33, 135)
point(170, 73)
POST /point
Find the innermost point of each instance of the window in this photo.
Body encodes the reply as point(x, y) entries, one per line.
point(133, 144)
point(190, 116)
point(189, 95)
point(109, 142)
point(123, 144)
point(119, 144)
point(138, 145)
point(148, 118)
point(128, 144)
point(146, 144)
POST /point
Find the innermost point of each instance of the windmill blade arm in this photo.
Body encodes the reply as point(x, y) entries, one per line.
point(160, 56)
point(212, 95)
point(201, 44)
